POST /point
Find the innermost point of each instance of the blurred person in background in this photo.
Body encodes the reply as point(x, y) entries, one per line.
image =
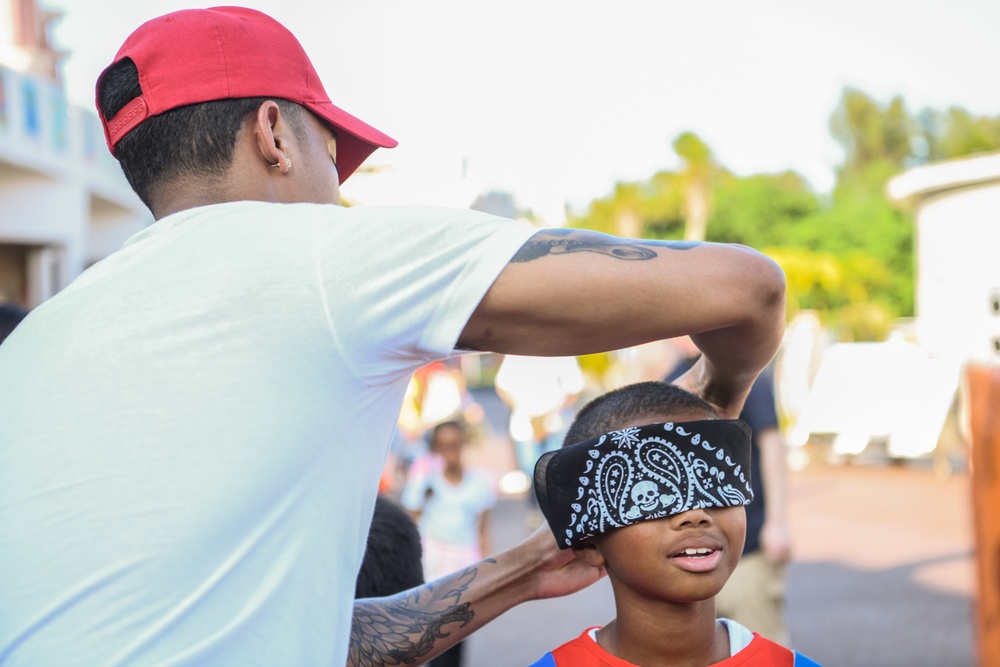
point(755, 594)
point(541, 393)
point(436, 393)
point(452, 506)
point(11, 315)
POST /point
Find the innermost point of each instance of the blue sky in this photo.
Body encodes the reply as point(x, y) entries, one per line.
point(555, 100)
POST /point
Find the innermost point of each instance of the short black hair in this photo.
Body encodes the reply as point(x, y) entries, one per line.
point(197, 140)
point(11, 315)
point(393, 559)
point(608, 412)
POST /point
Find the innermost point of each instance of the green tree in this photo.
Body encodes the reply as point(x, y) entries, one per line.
point(696, 181)
point(878, 143)
point(870, 133)
point(848, 255)
point(761, 210)
point(956, 132)
point(650, 208)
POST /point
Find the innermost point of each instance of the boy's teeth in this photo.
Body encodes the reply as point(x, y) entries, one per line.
point(697, 552)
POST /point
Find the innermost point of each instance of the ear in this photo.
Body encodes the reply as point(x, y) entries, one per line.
point(272, 133)
point(331, 148)
point(588, 553)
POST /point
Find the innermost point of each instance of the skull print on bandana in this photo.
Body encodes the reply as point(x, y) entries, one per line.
point(642, 473)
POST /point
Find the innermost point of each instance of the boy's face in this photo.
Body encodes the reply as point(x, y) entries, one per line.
point(684, 557)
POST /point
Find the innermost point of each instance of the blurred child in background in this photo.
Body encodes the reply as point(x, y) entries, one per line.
point(452, 506)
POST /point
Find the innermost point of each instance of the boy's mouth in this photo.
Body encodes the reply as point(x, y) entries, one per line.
point(694, 553)
point(697, 559)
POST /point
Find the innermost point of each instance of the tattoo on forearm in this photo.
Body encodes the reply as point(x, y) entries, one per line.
point(561, 242)
point(401, 629)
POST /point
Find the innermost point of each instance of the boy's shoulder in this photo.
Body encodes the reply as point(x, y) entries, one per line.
point(803, 661)
point(582, 651)
point(762, 652)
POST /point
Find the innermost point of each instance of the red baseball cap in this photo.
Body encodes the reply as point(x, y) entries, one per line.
point(199, 55)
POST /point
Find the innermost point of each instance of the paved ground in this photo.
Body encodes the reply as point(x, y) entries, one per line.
point(883, 575)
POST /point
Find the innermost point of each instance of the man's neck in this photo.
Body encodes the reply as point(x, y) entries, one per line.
point(192, 191)
point(183, 193)
point(177, 205)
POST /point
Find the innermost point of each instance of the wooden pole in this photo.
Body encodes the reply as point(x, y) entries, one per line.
point(984, 420)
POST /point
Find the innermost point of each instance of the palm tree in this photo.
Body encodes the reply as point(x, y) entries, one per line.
point(696, 179)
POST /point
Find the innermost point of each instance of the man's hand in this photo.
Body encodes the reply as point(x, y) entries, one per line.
point(559, 571)
point(416, 625)
point(776, 543)
point(727, 398)
point(775, 534)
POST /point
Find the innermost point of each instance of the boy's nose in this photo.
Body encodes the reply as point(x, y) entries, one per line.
point(691, 518)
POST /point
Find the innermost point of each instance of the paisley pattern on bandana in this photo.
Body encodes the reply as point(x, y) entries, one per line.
point(643, 473)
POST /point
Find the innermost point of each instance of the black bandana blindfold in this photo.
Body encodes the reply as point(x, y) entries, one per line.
point(642, 473)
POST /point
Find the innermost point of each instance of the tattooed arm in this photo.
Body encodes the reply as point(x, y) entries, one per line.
point(570, 292)
point(414, 626)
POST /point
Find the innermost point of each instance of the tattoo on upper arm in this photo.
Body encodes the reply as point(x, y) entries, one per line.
point(564, 241)
point(401, 629)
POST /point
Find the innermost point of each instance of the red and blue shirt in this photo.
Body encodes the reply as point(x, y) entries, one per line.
point(760, 652)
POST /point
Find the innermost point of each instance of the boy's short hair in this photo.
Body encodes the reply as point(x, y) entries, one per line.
point(634, 474)
point(393, 556)
point(609, 411)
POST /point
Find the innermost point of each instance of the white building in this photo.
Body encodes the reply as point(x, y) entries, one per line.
point(64, 203)
point(957, 211)
point(903, 391)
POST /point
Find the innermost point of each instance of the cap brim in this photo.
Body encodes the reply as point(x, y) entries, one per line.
point(356, 139)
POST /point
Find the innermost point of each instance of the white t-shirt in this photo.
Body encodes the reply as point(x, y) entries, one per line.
point(191, 434)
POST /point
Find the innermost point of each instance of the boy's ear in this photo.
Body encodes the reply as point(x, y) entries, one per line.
point(588, 553)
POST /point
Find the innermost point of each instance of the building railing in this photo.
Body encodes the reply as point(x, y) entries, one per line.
point(40, 131)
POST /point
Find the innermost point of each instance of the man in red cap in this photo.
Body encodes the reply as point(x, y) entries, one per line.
point(191, 434)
